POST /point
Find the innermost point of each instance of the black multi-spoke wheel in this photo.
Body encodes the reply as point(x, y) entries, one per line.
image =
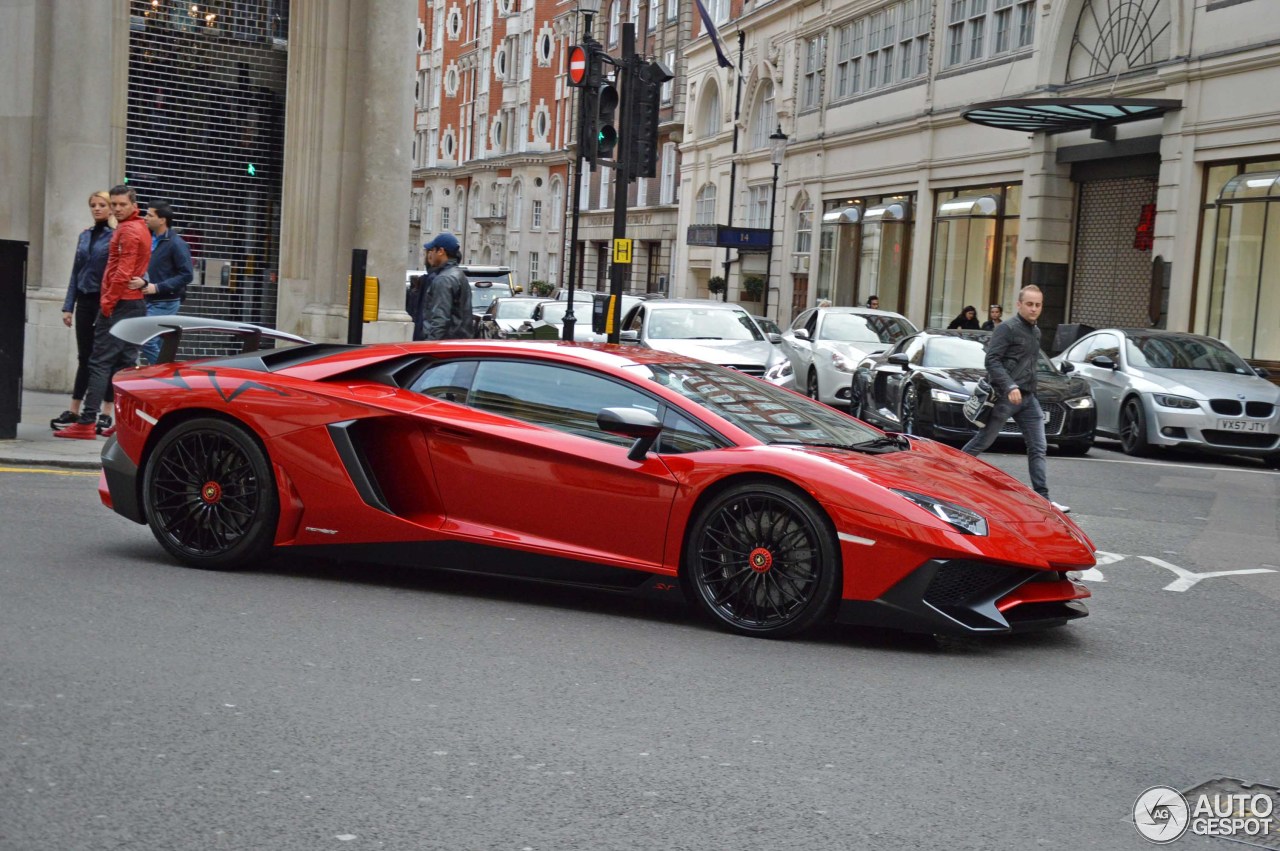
point(910, 411)
point(209, 495)
point(1133, 428)
point(762, 560)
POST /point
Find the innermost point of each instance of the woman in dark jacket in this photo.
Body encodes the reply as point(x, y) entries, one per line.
point(968, 318)
point(80, 308)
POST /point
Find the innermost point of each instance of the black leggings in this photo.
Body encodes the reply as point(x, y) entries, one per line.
point(86, 312)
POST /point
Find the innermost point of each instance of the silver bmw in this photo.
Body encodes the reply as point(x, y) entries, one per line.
point(1170, 388)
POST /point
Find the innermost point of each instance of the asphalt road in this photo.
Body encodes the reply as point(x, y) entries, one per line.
point(313, 705)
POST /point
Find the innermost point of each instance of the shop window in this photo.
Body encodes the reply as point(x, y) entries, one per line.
point(975, 250)
point(1242, 301)
point(864, 249)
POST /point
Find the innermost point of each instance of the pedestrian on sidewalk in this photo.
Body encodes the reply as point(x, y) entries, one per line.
point(165, 283)
point(129, 255)
point(80, 307)
point(447, 314)
point(1012, 353)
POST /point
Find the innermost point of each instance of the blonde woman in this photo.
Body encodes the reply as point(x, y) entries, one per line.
point(80, 308)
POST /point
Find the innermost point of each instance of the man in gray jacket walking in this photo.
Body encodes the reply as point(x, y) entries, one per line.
point(1012, 352)
point(447, 313)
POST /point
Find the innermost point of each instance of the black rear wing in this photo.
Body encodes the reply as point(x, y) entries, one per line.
point(171, 328)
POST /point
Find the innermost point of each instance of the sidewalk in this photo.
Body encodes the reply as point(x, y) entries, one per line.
point(35, 443)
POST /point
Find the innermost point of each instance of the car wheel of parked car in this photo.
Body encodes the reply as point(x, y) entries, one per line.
point(1133, 428)
point(209, 495)
point(811, 385)
point(909, 411)
point(763, 560)
point(1076, 448)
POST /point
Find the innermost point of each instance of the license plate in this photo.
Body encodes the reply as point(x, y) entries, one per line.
point(1241, 425)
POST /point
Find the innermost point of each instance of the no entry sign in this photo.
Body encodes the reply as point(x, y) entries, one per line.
point(577, 65)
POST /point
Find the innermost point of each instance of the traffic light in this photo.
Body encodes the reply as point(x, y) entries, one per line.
point(641, 156)
point(599, 106)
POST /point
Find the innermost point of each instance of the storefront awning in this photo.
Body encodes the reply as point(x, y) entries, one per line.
point(897, 211)
point(1058, 115)
point(1251, 186)
point(850, 215)
point(969, 206)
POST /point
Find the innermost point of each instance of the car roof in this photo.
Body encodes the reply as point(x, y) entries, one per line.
point(664, 303)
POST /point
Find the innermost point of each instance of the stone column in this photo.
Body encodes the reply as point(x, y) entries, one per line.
point(382, 194)
point(86, 42)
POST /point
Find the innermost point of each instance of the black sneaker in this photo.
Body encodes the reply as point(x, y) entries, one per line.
point(104, 423)
point(63, 420)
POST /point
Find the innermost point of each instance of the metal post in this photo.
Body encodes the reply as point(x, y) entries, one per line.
point(733, 163)
point(575, 173)
point(355, 299)
point(618, 272)
point(768, 258)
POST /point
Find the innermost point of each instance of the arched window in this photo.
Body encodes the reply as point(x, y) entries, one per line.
point(763, 117)
point(557, 204)
point(804, 225)
point(704, 208)
point(428, 209)
point(709, 121)
point(517, 206)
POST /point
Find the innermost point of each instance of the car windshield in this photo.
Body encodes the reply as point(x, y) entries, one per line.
point(969, 353)
point(1164, 351)
point(768, 413)
point(861, 328)
point(482, 296)
point(514, 308)
point(702, 323)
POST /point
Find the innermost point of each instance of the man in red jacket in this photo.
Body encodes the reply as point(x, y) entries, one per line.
point(128, 258)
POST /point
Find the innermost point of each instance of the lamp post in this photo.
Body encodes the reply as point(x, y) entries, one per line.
point(589, 9)
point(777, 150)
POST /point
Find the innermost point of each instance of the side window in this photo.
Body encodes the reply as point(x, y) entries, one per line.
point(681, 434)
point(1076, 352)
point(1104, 344)
point(914, 348)
point(802, 320)
point(449, 380)
point(636, 321)
point(553, 397)
point(811, 325)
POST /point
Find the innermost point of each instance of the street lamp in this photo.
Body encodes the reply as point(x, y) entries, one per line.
point(589, 9)
point(777, 150)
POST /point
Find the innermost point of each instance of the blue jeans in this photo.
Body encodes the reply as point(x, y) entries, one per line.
point(151, 348)
point(1030, 420)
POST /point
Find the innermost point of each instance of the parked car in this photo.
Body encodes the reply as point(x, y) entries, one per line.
point(504, 317)
point(553, 313)
point(769, 327)
point(1170, 388)
point(825, 344)
point(653, 474)
point(713, 331)
point(921, 384)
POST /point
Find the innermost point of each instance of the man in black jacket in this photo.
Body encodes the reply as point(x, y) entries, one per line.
point(168, 273)
point(447, 313)
point(1012, 352)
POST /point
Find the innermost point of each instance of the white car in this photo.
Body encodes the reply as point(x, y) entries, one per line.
point(712, 331)
point(825, 344)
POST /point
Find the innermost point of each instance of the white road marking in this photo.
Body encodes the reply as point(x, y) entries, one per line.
point(1187, 578)
point(1168, 464)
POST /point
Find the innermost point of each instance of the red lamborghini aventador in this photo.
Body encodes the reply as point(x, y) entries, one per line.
point(608, 466)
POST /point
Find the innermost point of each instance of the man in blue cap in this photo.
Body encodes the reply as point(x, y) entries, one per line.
point(415, 299)
point(447, 311)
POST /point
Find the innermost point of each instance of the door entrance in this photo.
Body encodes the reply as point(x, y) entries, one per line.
point(1111, 268)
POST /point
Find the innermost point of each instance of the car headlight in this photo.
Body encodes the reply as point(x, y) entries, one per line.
point(780, 371)
point(1167, 401)
point(1079, 402)
point(843, 363)
point(963, 519)
point(939, 395)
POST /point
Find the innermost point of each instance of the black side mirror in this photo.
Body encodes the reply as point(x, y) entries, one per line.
point(631, 422)
point(1068, 367)
point(1104, 362)
point(899, 359)
point(1262, 371)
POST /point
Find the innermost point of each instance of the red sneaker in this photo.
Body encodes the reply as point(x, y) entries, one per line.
point(79, 431)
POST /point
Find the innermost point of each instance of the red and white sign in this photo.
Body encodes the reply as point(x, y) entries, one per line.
point(577, 65)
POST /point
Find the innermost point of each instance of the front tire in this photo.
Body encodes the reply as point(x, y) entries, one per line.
point(762, 560)
point(210, 496)
point(909, 411)
point(1133, 428)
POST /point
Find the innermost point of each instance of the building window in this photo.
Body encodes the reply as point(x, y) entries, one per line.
point(864, 249)
point(615, 20)
point(885, 47)
point(655, 10)
point(704, 208)
point(667, 192)
point(533, 266)
point(557, 204)
point(709, 116)
point(535, 220)
point(517, 206)
point(804, 227)
point(642, 191)
point(669, 86)
point(763, 117)
point(977, 29)
point(673, 9)
point(975, 250)
point(444, 219)
point(719, 10)
point(758, 206)
point(815, 50)
point(428, 209)
point(1237, 300)
point(605, 174)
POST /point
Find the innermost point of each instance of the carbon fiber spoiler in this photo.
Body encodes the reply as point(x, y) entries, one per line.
point(171, 328)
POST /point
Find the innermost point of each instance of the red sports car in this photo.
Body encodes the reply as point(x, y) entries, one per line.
point(607, 466)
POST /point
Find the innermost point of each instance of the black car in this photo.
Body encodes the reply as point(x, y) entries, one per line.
point(919, 386)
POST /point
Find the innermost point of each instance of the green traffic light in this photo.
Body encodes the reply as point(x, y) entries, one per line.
point(606, 139)
point(251, 170)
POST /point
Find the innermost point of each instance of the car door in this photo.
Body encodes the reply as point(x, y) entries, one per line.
point(526, 465)
point(897, 377)
point(800, 352)
point(1108, 385)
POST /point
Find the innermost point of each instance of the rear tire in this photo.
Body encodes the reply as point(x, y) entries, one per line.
point(210, 496)
point(763, 560)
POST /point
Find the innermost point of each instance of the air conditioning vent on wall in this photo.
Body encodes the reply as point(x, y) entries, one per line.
point(799, 262)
